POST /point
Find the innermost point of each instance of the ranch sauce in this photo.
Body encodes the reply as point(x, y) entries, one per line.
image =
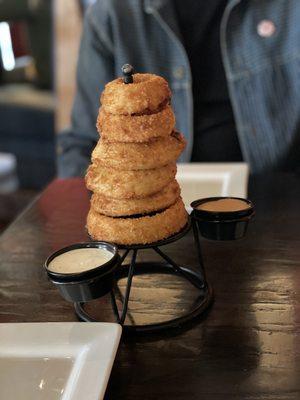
point(224, 205)
point(79, 260)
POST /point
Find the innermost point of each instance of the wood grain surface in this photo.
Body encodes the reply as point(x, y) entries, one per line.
point(248, 346)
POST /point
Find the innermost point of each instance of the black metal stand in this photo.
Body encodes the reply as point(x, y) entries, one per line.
point(197, 279)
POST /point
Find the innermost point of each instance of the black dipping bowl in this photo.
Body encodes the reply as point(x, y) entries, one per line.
point(222, 225)
point(87, 285)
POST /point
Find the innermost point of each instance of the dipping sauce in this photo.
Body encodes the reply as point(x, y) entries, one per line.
point(224, 205)
point(79, 260)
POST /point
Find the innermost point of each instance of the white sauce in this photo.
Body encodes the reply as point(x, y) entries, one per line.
point(79, 260)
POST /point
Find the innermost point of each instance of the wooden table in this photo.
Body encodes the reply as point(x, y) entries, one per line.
point(248, 347)
point(12, 203)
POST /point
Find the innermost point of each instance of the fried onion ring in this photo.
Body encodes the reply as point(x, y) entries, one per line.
point(138, 128)
point(124, 207)
point(142, 230)
point(118, 184)
point(135, 156)
point(146, 94)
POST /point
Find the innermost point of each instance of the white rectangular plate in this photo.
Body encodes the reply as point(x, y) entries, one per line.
point(199, 180)
point(52, 361)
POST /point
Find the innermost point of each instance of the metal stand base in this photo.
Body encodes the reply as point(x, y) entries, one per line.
point(197, 279)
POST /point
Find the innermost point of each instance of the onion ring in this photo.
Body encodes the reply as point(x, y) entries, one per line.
point(125, 184)
point(141, 230)
point(146, 94)
point(138, 128)
point(124, 207)
point(136, 156)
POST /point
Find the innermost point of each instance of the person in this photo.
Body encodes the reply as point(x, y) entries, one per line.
point(232, 65)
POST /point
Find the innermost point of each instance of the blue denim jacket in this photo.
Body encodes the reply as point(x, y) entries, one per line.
point(262, 65)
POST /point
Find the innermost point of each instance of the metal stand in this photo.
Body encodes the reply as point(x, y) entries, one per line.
point(197, 279)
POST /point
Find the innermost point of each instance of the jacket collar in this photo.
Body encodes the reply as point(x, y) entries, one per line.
point(152, 5)
point(166, 10)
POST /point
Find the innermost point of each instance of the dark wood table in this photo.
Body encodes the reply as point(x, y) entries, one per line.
point(12, 203)
point(248, 346)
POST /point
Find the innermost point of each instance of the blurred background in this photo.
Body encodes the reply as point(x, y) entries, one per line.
point(38, 52)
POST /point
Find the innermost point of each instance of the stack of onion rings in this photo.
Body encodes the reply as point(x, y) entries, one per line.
point(136, 198)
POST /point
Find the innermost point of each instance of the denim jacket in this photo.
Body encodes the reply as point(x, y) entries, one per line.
point(260, 43)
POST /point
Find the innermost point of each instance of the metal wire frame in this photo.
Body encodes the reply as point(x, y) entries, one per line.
point(169, 266)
